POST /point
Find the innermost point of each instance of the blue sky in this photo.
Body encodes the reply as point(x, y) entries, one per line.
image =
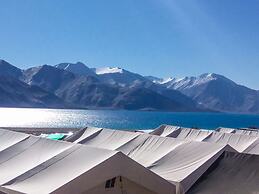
point(152, 37)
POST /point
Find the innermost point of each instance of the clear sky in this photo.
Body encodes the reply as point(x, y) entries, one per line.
point(152, 37)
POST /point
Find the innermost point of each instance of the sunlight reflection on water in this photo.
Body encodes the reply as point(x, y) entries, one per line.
point(30, 117)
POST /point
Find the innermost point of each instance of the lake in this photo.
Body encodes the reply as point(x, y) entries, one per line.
point(121, 119)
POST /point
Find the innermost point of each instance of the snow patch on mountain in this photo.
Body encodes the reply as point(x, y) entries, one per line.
point(188, 82)
point(108, 70)
point(166, 80)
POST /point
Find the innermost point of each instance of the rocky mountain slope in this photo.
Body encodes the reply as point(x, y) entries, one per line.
point(217, 92)
point(76, 85)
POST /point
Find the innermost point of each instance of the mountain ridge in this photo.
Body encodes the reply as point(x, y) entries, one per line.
point(115, 88)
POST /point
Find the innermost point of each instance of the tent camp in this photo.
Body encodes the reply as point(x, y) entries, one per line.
point(96, 160)
point(241, 140)
point(87, 170)
point(37, 165)
point(177, 160)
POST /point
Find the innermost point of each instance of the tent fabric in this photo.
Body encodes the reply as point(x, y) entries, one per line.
point(181, 132)
point(225, 130)
point(240, 140)
point(87, 165)
point(237, 141)
point(238, 131)
point(59, 170)
point(253, 148)
point(247, 132)
point(27, 154)
point(190, 134)
point(233, 173)
point(146, 149)
point(150, 163)
point(9, 138)
point(164, 130)
point(109, 139)
point(121, 184)
point(158, 153)
point(83, 134)
point(187, 162)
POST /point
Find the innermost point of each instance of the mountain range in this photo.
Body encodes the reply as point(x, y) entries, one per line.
point(74, 85)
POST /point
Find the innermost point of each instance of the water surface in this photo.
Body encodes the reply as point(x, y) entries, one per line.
point(30, 117)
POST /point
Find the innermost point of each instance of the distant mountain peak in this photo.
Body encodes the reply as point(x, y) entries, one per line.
point(78, 68)
point(108, 70)
point(166, 80)
point(9, 70)
point(157, 80)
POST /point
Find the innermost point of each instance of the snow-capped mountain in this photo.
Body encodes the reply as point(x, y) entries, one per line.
point(119, 76)
point(76, 68)
point(157, 80)
point(47, 77)
point(217, 92)
point(189, 82)
point(108, 70)
point(76, 85)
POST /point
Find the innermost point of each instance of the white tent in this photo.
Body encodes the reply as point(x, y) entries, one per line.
point(190, 134)
point(9, 138)
point(233, 173)
point(87, 170)
point(187, 162)
point(114, 160)
point(83, 134)
point(108, 138)
point(146, 149)
point(164, 130)
point(237, 141)
point(225, 130)
point(181, 132)
point(247, 132)
point(253, 148)
point(27, 154)
point(177, 160)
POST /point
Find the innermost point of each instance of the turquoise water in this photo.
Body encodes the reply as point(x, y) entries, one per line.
point(23, 117)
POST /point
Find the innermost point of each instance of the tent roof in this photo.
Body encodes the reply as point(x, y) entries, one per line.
point(109, 139)
point(234, 173)
point(187, 162)
point(164, 130)
point(66, 172)
point(174, 159)
point(27, 154)
point(146, 149)
point(225, 130)
point(190, 134)
point(237, 141)
point(9, 138)
point(83, 134)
